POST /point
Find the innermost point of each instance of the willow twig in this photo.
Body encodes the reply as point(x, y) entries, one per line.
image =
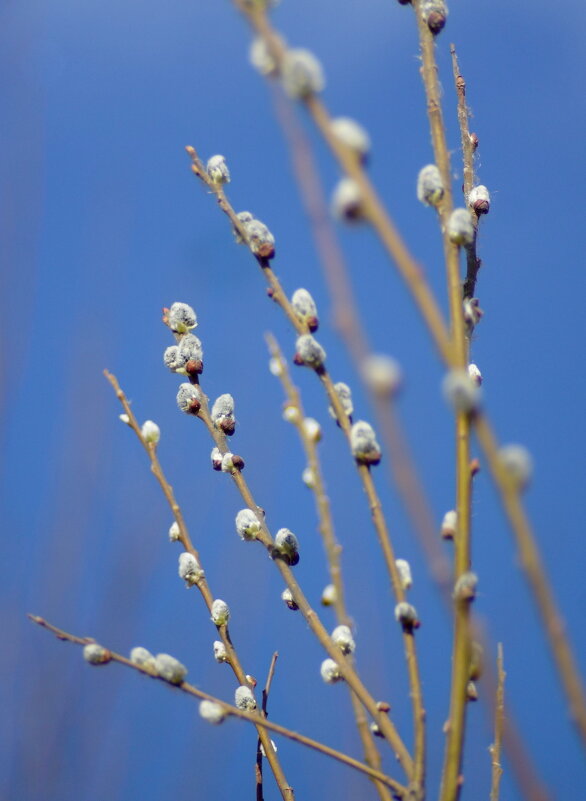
point(233, 711)
point(264, 711)
point(202, 584)
point(499, 721)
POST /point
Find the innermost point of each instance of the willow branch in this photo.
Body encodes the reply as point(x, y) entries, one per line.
point(499, 717)
point(202, 584)
point(264, 711)
point(252, 717)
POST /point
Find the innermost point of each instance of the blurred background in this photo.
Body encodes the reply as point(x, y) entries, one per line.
point(102, 224)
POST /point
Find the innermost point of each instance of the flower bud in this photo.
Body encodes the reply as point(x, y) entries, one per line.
point(220, 653)
point(353, 135)
point(189, 399)
point(330, 672)
point(305, 308)
point(216, 457)
point(287, 597)
point(449, 527)
point(181, 318)
point(312, 429)
point(189, 569)
point(96, 654)
point(382, 375)
point(286, 547)
point(365, 448)
point(479, 199)
point(516, 463)
point(460, 227)
point(217, 170)
point(173, 359)
point(275, 367)
point(430, 187)
point(329, 595)
point(373, 726)
point(247, 524)
point(212, 712)
point(170, 669)
point(174, 532)
point(124, 418)
point(342, 637)
point(231, 462)
point(144, 659)
point(301, 73)
point(344, 393)
point(223, 414)
point(191, 354)
point(291, 414)
point(465, 587)
point(471, 691)
point(406, 615)
point(475, 374)
point(309, 352)
point(347, 201)
point(404, 570)
point(245, 217)
point(461, 392)
point(220, 612)
point(151, 432)
point(260, 240)
point(434, 13)
point(476, 665)
point(308, 478)
point(244, 699)
point(260, 56)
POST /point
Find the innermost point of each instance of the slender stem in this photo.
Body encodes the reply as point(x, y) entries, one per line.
point(252, 717)
point(499, 721)
point(264, 710)
point(202, 583)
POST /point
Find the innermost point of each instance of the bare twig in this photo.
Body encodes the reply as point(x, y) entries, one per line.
point(264, 710)
point(499, 717)
point(252, 717)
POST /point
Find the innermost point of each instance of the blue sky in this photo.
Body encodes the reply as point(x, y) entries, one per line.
point(103, 224)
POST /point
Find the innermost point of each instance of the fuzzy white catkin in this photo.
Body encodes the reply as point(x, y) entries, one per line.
point(275, 367)
point(303, 304)
point(244, 699)
point(247, 524)
point(344, 394)
point(430, 188)
point(460, 227)
point(173, 359)
point(181, 318)
point(190, 349)
point(287, 597)
point(220, 653)
point(143, 658)
point(475, 374)
point(174, 532)
point(150, 432)
point(346, 201)
point(405, 614)
point(217, 170)
point(330, 672)
point(382, 374)
point(301, 73)
point(260, 56)
point(329, 595)
point(449, 526)
point(188, 397)
point(308, 478)
point(434, 13)
point(189, 569)
point(260, 239)
point(309, 351)
point(220, 612)
point(212, 712)
point(286, 546)
point(479, 199)
point(461, 392)
point(170, 669)
point(353, 135)
point(363, 443)
point(96, 654)
point(404, 570)
point(517, 463)
point(342, 637)
point(312, 429)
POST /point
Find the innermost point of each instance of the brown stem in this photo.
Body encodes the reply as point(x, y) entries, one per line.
point(499, 717)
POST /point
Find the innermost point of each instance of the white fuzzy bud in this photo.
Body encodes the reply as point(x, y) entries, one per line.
point(404, 570)
point(329, 595)
point(517, 464)
point(406, 615)
point(301, 73)
point(449, 527)
point(353, 135)
point(227, 463)
point(342, 637)
point(174, 532)
point(312, 429)
point(382, 374)
point(189, 398)
point(305, 308)
point(430, 187)
point(434, 13)
point(465, 587)
point(220, 653)
point(181, 318)
point(247, 524)
point(189, 569)
point(212, 712)
point(330, 672)
point(222, 414)
point(308, 478)
point(472, 314)
point(461, 392)
point(291, 414)
point(259, 239)
point(260, 56)
point(124, 418)
point(217, 170)
point(220, 612)
point(363, 443)
point(460, 227)
point(344, 393)
point(150, 432)
point(173, 359)
point(287, 597)
point(143, 658)
point(96, 654)
point(190, 350)
point(275, 367)
point(309, 352)
point(244, 698)
point(475, 374)
point(286, 547)
point(216, 457)
point(244, 217)
point(479, 199)
point(170, 669)
point(346, 201)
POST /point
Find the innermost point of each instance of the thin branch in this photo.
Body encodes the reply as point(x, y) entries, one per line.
point(202, 584)
point(252, 717)
point(264, 710)
point(499, 718)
